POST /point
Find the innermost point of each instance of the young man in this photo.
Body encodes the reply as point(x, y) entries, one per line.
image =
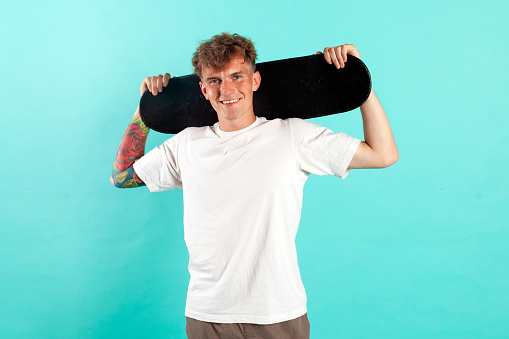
point(243, 181)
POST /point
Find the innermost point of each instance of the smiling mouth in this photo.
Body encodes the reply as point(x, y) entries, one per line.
point(226, 102)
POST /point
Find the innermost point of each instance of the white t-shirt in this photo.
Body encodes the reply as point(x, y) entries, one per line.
point(242, 205)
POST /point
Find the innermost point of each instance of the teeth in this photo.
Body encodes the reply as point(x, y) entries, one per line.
point(230, 101)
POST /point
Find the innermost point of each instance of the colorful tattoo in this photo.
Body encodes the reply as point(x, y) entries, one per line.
point(131, 147)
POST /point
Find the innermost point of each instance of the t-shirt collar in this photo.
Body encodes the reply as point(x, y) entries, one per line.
point(223, 134)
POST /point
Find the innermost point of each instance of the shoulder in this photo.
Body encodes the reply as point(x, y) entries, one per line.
point(190, 133)
point(294, 126)
point(274, 126)
point(193, 131)
point(300, 126)
point(289, 122)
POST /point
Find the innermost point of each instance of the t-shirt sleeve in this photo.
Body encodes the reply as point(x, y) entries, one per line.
point(159, 168)
point(321, 151)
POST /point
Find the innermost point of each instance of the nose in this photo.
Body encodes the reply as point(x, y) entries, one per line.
point(226, 88)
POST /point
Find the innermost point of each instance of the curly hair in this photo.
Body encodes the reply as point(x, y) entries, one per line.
point(217, 52)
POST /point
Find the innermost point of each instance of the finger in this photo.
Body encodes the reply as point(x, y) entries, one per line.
point(339, 55)
point(143, 87)
point(344, 51)
point(166, 78)
point(153, 85)
point(335, 57)
point(149, 85)
point(326, 55)
point(318, 53)
point(159, 83)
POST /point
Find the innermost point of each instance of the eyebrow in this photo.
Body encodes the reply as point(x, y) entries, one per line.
point(232, 74)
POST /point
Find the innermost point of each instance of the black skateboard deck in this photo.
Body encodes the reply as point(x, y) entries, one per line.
point(305, 87)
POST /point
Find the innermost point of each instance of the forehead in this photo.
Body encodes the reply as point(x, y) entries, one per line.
point(236, 64)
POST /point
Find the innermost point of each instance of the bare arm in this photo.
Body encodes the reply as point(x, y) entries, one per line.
point(132, 146)
point(378, 148)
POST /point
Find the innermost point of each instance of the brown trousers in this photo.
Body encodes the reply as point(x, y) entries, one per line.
point(297, 328)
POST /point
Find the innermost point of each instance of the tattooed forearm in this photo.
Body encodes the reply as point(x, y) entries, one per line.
point(131, 147)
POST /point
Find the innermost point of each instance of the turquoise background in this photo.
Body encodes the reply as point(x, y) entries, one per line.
point(417, 250)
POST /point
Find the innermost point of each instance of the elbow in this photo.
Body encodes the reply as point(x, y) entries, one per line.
point(390, 159)
point(115, 183)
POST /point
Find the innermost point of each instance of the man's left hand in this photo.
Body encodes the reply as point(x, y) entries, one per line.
point(338, 55)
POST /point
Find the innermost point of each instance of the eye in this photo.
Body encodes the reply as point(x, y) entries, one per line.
point(237, 77)
point(213, 82)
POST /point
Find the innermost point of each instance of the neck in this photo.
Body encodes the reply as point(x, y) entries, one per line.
point(226, 125)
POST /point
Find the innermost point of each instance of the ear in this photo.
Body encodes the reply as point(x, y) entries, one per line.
point(257, 79)
point(204, 90)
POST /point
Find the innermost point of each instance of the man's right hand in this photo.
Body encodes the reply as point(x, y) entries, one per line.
point(155, 84)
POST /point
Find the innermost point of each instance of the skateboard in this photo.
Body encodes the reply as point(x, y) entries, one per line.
point(304, 87)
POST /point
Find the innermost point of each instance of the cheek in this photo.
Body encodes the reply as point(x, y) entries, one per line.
point(248, 91)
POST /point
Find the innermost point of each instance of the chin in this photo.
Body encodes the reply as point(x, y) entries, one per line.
point(231, 116)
